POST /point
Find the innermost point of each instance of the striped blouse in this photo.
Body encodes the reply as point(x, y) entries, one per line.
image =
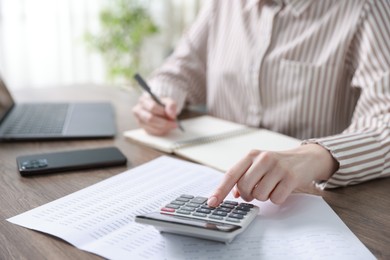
point(315, 70)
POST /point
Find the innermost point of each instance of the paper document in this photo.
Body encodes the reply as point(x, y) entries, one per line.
point(100, 219)
point(305, 227)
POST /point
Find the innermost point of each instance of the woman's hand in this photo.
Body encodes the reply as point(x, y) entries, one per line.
point(264, 175)
point(154, 118)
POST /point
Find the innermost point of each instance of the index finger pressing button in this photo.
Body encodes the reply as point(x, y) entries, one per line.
point(230, 179)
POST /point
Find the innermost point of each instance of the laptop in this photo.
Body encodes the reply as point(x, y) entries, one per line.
point(50, 121)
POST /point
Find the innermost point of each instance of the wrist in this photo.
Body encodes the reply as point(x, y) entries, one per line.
point(327, 164)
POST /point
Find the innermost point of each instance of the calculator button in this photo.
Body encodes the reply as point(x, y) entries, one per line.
point(230, 206)
point(175, 202)
point(206, 211)
point(172, 206)
point(207, 207)
point(199, 200)
point(216, 217)
point(235, 203)
point(184, 212)
point(187, 208)
point(246, 205)
point(233, 220)
point(191, 204)
point(186, 196)
point(182, 199)
point(224, 209)
point(239, 216)
point(243, 208)
point(242, 212)
point(168, 209)
point(199, 214)
point(220, 213)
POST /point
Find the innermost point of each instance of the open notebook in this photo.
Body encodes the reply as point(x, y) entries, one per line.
point(214, 142)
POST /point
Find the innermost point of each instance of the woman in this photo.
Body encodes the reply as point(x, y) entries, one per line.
point(314, 70)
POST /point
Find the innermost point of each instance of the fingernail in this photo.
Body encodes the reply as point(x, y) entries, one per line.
point(212, 201)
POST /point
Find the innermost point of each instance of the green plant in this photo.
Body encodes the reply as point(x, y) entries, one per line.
point(124, 26)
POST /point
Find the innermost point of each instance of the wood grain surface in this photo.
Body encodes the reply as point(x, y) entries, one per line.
point(365, 208)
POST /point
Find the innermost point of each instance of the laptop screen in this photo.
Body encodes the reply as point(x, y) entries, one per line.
point(6, 101)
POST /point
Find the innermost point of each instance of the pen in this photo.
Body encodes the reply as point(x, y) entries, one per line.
point(145, 86)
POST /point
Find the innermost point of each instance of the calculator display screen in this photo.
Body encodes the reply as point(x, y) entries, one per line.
point(185, 221)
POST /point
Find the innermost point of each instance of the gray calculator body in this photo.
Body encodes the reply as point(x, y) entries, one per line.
point(190, 216)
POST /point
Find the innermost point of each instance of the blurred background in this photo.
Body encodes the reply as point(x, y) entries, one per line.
point(51, 43)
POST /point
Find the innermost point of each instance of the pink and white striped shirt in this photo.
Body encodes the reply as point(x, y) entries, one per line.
point(314, 70)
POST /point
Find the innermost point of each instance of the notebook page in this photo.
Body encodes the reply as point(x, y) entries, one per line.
point(196, 131)
point(224, 153)
point(100, 218)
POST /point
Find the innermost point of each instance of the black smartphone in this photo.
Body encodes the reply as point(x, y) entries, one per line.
point(70, 160)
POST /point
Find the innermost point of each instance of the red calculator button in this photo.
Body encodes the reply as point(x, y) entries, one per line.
point(167, 210)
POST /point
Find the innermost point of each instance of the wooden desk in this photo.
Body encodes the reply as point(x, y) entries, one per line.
point(365, 208)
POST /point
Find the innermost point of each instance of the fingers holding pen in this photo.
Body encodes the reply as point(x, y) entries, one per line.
point(148, 104)
point(154, 118)
point(167, 110)
point(170, 108)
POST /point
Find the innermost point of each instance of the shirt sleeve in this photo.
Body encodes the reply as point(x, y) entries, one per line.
point(183, 75)
point(362, 150)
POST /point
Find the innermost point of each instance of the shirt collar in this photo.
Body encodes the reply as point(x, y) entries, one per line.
point(297, 6)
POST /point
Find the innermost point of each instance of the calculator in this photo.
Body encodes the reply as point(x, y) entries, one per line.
point(191, 216)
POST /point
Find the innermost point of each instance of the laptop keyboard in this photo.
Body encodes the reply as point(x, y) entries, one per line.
point(37, 119)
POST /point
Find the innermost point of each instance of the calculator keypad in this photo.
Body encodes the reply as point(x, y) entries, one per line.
point(196, 207)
